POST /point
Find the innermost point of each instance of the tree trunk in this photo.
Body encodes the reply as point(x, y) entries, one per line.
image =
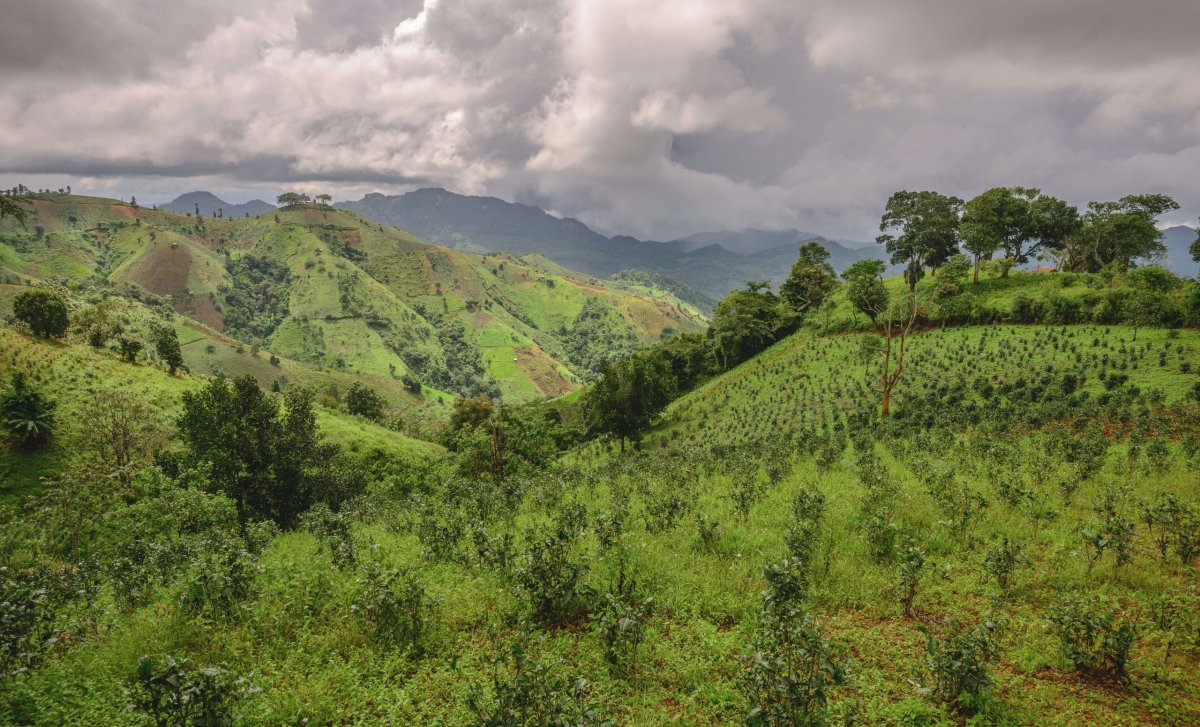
point(975, 281)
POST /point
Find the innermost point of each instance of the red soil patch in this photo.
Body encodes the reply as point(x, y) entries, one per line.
point(164, 270)
point(540, 369)
point(204, 310)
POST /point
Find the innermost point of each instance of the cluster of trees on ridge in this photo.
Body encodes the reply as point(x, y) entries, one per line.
point(923, 231)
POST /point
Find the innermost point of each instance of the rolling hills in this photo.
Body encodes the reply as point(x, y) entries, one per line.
point(335, 293)
point(711, 263)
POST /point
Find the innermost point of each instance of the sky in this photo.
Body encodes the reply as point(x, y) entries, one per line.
point(656, 118)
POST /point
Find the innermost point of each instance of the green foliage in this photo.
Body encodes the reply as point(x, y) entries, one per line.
point(1001, 559)
point(396, 605)
point(180, 695)
point(744, 323)
point(596, 336)
point(528, 691)
point(919, 230)
point(621, 622)
point(258, 300)
point(1095, 638)
point(627, 396)
point(910, 568)
point(361, 400)
point(791, 672)
point(166, 345)
point(26, 414)
point(43, 311)
point(811, 279)
point(865, 288)
point(273, 466)
point(957, 666)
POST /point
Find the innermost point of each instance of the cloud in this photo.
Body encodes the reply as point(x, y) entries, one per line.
point(650, 117)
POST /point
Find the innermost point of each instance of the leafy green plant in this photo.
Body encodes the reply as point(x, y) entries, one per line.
point(551, 576)
point(396, 605)
point(908, 575)
point(1001, 560)
point(1095, 638)
point(528, 691)
point(26, 414)
point(221, 576)
point(791, 671)
point(957, 666)
point(179, 695)
point(621, 622)
point(333, 530)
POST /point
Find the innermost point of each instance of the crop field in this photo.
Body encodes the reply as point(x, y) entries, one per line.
point(807, 381)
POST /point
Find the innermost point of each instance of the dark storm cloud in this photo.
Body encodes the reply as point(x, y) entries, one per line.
point(652, 117)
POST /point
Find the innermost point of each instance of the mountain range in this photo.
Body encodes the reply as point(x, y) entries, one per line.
point(207, 204)
point(712, 263)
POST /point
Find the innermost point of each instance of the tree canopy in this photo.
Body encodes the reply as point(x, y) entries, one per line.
point(811, 280)
point(920, 230)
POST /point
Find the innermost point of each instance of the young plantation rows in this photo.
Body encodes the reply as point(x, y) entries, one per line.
point(830, 382)
point(1018, 544)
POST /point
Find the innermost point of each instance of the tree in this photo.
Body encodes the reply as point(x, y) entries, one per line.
point(120, 432)
point(627, 396)
point(1194, 249)
point(865, 288)
point(361, 400)
point(273, 466)
point(44, 312)
point(920, 230)
point(166, 345)
point(811, 280)
point(292, 199)
point(324, 199)
point(130, 347)
point(11, 207)
point(901, 318)
point(1114, 233)
point(98, 323)
point(744, 323)
point(25, 414)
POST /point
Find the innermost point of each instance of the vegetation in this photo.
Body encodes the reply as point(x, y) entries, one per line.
point(891, 501)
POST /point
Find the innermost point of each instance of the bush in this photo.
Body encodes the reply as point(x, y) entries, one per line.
point(182, 695)
point(221, 577)
point(956, 667)
point(333, 530)
point(621, 622)
point(362, 401)
point(44, 312)
point(551, 577)
point(1095, 639)
point(532, 692)
point(25, 414)
point(396, 605)
point(791, 672)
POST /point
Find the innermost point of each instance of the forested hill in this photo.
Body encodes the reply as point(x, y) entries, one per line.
point(333, 292)
point(713, 263)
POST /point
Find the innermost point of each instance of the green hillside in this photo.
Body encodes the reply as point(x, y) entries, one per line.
point(330, 290)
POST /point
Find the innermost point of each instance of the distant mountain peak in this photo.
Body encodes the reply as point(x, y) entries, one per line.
point(209, 203)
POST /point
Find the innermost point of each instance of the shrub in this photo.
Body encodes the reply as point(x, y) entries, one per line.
point(532, 692)
point(29, 604)
point(1095, 639)
point(396, 605)
point(221, 577)
point(1001, 559)
point(26, 414)
point(551, 577)
point(908, 575)
point(362, 401)
point(957, 667)
point(43, 311)
point(621, 622)
point(791, 671)
point(182, 695)
point(333, 530)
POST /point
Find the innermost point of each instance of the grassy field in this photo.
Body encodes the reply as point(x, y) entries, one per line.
point(694, 522)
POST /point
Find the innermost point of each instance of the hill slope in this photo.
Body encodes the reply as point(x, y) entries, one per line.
point(334, 292)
